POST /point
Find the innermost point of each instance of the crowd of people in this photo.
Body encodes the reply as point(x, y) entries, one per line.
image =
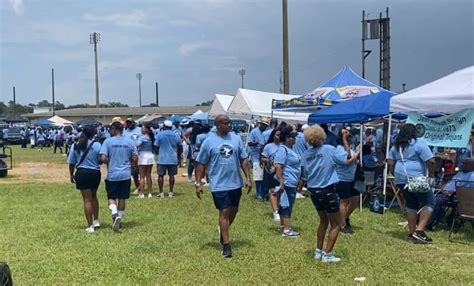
point(285, 161)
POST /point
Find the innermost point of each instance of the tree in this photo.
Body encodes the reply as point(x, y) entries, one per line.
point(44, 103)
point(206, 103)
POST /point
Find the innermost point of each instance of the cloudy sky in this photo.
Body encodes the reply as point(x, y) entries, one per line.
point(195, 48)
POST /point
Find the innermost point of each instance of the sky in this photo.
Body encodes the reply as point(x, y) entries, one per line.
point(195, 48)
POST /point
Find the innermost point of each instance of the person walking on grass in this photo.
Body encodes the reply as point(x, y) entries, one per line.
point(319, 166)
point(146, 160)
point(256, 142)
point(167, 143)
point(288, 171)
point(349, 197)
point(267, 161)
point(84, 159)
point(118, 152)
point(412, 157)
point(223, 154)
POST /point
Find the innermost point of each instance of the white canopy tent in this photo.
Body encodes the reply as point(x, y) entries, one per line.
point(220, 104)
point(448, 94)
point(59, 121)
point(248, 103)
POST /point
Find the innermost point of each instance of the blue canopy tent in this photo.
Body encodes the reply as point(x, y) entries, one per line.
point(357, 110)
point(45, 122)
point(346, 84)
point(175, 117)
point(203, 116)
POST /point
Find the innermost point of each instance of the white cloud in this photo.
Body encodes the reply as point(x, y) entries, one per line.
point(189, 48)
point(136, 18)
point(17, 6)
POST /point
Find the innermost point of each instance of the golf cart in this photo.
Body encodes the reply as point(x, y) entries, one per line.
point(5, 157)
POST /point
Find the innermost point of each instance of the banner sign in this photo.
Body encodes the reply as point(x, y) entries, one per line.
point(446, 131)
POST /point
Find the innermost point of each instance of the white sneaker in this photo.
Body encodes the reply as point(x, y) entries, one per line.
point(96, 224)
point(149, 195)
point(276, 216)
point(330, 258)
point(170, 195)
point(136, 191)
point(141, 196)
point(190, 180)
point(318, 254)
point(161, 195)
point(300, 196)
point(90, 229)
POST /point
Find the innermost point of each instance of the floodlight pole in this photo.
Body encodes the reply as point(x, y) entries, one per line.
point(52, 91)
point(94, 39)
point(242, 73)
point(157, 98)
point(139, 76)
point(286, 68)
point(14, 99)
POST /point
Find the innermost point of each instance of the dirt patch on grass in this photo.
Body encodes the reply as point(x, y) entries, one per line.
point(44, 172)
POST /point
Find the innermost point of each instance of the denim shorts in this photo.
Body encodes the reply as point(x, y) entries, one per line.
point(291, 193)
point(416, 201)
point(226, 199)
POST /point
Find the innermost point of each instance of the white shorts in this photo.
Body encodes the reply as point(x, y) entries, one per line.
point(146, 158)
point(257, 171)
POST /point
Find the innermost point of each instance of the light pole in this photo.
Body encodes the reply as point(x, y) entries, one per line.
point(286, 64)
point(94, 39)
point(139, 76)
point(52, 91)
point(242, 73)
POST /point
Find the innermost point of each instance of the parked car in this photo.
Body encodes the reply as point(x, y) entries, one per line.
point(14, 135)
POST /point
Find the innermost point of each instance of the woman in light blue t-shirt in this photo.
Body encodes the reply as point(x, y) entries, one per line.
point(146, 160)
point(267, 159)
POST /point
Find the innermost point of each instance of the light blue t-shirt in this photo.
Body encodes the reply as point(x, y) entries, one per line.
point(144, 143)
point(92, 159)
point(300, 145)
point(266, 135)
point(256, 136)
point(222, 155)
point(319, 165)
point(167, 141)
point(119, 150)
point(415, 155)
point(178, 131)
point(132, 134)
point(40, 137)
point(463, 179)
point(291, 165)
point(270, 150)
point(345, 172)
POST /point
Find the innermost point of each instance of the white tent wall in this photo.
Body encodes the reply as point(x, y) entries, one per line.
point(220, 104)
point(248, 103)
point(448, 94)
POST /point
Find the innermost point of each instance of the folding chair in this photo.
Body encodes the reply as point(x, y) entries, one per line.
point(465, 208)
point(369, 186)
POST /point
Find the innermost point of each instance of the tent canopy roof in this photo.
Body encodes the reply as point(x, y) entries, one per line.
point(220, 104)
point(448, 94)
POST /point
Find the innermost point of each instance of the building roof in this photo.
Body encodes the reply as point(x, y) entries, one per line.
point(121, 111)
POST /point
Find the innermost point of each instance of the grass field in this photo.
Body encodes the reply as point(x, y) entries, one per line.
point(175, 241)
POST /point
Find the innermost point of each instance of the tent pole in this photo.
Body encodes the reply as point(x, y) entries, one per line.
point(360, 160)
point(385, 171)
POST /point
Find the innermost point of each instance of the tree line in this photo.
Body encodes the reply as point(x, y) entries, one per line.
point(11, 107)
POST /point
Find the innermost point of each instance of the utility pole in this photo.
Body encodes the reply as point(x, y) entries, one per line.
point(94, 39)
point(404, 87)
point(14, 100)
point(52, 91)
point(286, 68)
point(242, 73)
point(139, 76)
point(156, 91)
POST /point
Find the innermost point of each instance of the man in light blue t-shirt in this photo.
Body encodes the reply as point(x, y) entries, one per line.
point(118, 152)
point(132, 131)
point(224, 155)
point(168, 143)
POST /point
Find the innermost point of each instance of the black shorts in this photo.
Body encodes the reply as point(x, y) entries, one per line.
point(170, 169)
point(269, 180)
point(87, 179)
point(226, 199)
point(325, 199)
point(135, 171)
point(118, 189)
point(346, 190)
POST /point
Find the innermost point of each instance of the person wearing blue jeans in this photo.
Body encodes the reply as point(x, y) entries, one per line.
point(288, 171)
point(256, 141)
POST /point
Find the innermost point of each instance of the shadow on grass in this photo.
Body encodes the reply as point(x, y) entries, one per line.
point(234, 243)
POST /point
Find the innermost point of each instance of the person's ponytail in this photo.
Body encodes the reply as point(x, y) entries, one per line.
point(86, 134)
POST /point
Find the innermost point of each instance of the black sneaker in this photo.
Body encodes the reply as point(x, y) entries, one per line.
point(347, 229)
point(226, 250)
point(421, 237)
point(411, 238)
point(116, 222)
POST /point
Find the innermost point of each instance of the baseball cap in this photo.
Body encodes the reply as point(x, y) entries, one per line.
point(304, 126)
point(168, 123)
point(116, 119)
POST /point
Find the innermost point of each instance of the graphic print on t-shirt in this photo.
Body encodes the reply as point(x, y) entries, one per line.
point(226, 150)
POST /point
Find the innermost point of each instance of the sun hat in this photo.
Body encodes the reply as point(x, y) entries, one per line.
point(264, 120)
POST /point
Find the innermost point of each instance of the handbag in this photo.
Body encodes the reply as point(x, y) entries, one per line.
point(415, 184)
point(377, 203)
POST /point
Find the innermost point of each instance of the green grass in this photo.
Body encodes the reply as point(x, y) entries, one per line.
point(175, 241)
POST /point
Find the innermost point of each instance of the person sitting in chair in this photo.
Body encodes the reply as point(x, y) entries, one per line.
point(446, 196)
